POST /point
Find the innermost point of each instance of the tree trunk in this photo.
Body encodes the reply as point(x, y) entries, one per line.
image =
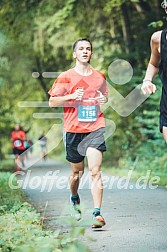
point(126, 27)
point(41, 79)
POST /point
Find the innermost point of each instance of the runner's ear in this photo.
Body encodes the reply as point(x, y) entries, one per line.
point(74, 55)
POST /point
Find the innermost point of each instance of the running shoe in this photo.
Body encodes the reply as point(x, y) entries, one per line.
point(75, 208)
point(98, 220)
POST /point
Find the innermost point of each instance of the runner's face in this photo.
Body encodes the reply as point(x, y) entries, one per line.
point(17, 127)
point(83, 52)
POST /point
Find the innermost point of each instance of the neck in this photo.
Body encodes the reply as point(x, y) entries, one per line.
point(83, 68)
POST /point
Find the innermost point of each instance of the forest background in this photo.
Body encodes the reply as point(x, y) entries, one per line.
point(37, 36)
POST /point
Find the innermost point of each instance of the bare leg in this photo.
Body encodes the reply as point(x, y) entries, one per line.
point(164, 130)
point(44, 155)
point(19, 161)
point(77, 172)
point(94, 157)
point(16, 162)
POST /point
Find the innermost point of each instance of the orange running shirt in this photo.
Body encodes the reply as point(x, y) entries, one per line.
point(74, 110)
point(18, 138)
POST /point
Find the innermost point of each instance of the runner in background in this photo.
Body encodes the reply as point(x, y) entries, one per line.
point(18, 136)
point(158, 63)
point(43, 144)
point(30, 145)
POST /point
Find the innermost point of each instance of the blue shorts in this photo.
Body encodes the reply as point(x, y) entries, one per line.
point(76, 144)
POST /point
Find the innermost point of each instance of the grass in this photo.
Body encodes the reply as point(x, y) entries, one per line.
point(9, 198)
point(141, 168)
point(60, 158)
point(7, 165)
point(158, 178)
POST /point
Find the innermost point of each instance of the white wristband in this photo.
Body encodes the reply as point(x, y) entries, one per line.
point(147, 80)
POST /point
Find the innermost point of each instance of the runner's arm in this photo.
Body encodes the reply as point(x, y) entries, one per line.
point(59, 101)
point(153, 66)
point(22, 136)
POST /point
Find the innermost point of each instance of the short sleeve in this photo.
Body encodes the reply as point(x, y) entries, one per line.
point(59, 87)
point(104, 88)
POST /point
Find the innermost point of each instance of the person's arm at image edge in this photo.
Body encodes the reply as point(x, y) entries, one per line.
point(148, 87)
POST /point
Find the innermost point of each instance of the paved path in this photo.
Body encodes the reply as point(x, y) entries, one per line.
point(136, 218)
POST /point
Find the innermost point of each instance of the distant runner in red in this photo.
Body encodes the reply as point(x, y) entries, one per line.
point(81, 90)
point(18, 136)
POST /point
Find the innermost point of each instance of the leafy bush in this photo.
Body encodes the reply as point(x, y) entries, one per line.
point(9, 199)
point(22, 231)
point(148, 157)
point(7, 165)
point(21, 226)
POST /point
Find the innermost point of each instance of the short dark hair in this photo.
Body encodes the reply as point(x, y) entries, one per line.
point(79, 40)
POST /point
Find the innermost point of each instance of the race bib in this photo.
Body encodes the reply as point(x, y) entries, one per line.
point(87, 113)
point(17, 143)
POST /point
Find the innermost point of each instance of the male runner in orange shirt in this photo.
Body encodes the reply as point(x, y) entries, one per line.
point(81, 90)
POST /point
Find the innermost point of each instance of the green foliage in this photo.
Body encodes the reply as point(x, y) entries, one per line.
point(9, 198)
point(7, 165)
point(118, 29)
point(156, 24)
point(22, 231)
point(143, 160)
point(21, 226)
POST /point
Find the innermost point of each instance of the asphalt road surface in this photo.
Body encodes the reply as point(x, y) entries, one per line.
point(135, 213)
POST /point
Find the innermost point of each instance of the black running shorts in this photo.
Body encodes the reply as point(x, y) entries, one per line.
point(163, 121)
point(76, 144)
point(17, 151)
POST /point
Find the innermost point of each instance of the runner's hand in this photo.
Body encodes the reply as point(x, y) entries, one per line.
point(78, 94)
point(148, 87)
point(101, 98)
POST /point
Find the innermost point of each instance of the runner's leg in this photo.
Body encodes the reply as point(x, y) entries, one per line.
point(16, 162)
point(77, 172)
point(164, 130)
point(94, 157)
